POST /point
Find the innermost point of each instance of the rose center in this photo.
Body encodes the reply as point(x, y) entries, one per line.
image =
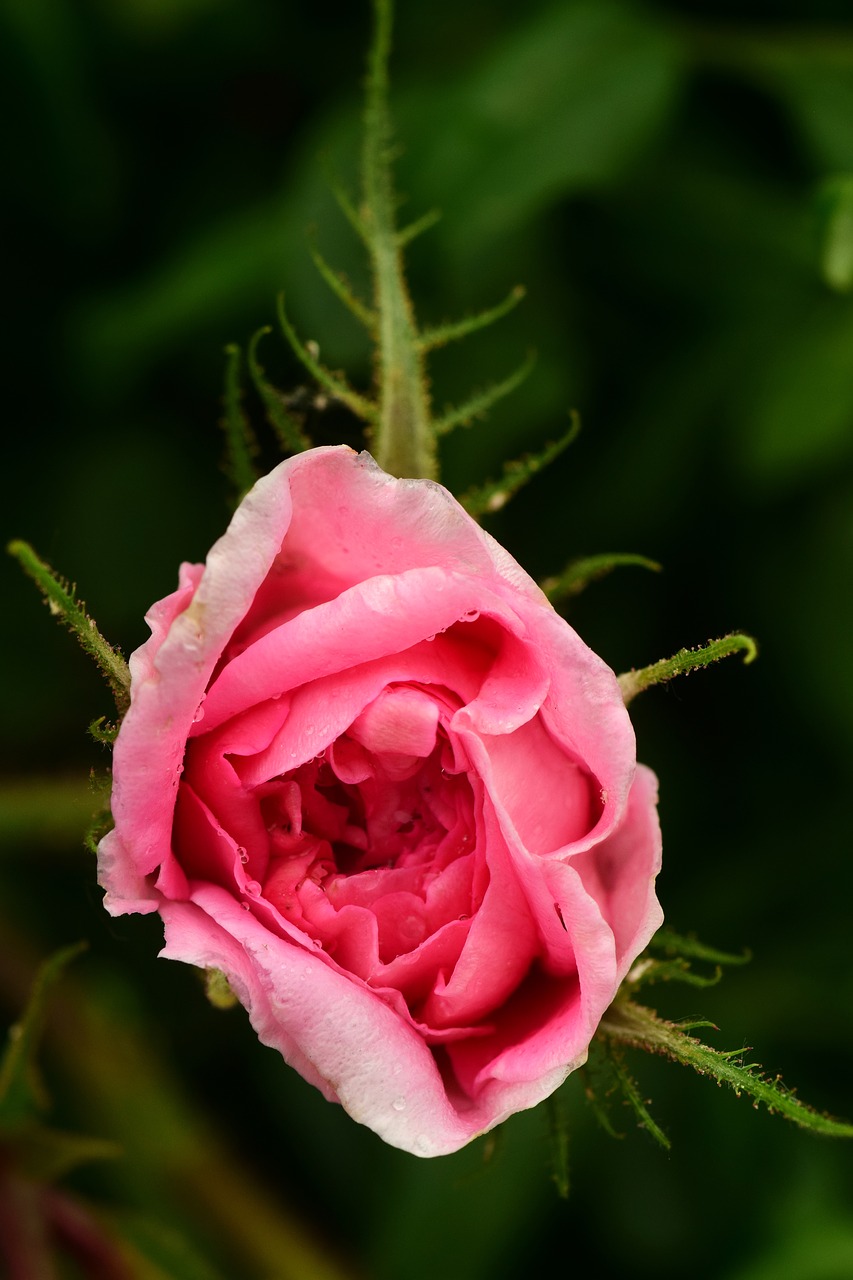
point(377, 821)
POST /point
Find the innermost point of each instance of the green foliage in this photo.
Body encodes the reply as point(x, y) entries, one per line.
point(653, 183)
point(22, 1094)
point(26, 1145)
point(836, 232)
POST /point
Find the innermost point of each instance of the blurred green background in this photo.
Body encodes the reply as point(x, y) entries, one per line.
point(669, 181)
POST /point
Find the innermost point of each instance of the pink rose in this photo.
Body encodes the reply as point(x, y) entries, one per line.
point(373, 777)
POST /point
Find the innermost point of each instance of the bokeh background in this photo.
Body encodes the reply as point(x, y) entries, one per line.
point(667, 180)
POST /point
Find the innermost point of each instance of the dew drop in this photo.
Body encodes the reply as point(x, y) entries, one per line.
point(199, 714)
point(399, 1104)
point(471, 616)
point(246, 906)
point(242, 855)
point(430, 638)
point(463, 917)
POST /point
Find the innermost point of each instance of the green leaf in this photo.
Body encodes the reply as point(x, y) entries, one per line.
point(567, 100)
point(21, 1091)
point(794, 410)
point(48, 1154)
point(835, 205)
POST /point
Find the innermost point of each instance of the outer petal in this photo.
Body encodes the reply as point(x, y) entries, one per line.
point(338, 1034)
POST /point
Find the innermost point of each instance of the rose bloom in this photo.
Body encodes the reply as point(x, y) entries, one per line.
point(370, 775)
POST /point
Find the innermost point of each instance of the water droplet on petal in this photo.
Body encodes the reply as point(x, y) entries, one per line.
point(463, 917)
point(399, 1104)
point(242, 855)
point(199, 714)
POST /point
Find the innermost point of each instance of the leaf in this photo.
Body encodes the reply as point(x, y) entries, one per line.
point(566, 101)
point(835, 208)
point(21, 1091)
point(46, 1155)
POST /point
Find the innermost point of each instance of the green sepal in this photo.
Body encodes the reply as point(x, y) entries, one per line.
point(633, 1025)
point(558, 1131)
point(686, 660)
point(103, 730)
point(340, 287)
point(495, 494)
point(477, 405)
point(578, 574)
point(218, 989)
point(675, 944)
point(333, 383)
point(440, 335)
point(62, 601)
point(22, 1093)
point(677, 965)
point(288, 431)
point(407, 234)
point(241, 445)
point(608, 1078)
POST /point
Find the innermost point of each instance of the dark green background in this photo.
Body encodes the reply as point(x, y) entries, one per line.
point(652, 173)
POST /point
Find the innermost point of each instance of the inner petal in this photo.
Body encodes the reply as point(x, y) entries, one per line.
point(402, 721)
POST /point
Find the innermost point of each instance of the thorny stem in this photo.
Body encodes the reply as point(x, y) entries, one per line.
point(403, 442)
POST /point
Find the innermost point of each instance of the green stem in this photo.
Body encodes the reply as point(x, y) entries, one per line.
point(403, 440)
